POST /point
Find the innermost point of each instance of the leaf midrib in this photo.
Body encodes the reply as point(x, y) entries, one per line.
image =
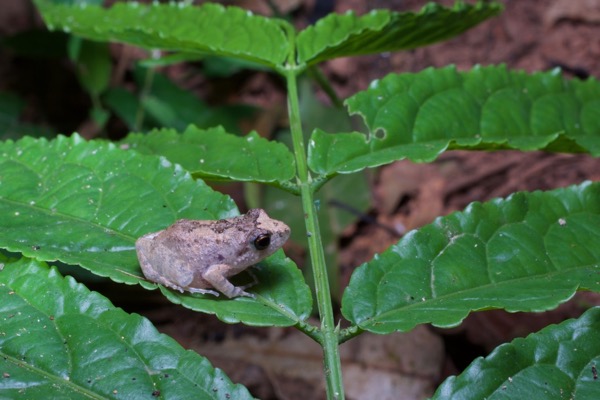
point(51, 378)
point(489, 285)
point(70, 217)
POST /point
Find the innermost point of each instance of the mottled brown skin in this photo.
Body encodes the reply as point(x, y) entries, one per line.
point(200, 255)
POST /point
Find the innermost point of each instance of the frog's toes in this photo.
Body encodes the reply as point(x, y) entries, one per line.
point(251, 295)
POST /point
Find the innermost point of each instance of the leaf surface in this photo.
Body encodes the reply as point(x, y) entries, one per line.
point(59, 340)
point(529, 252)
point(86, 203)
point(211, 28)
point(93, 62)
point(559, 362)
point(163, 104)
point(218, 155)
point(419, 116)
point(381, 30)
point(173, 107)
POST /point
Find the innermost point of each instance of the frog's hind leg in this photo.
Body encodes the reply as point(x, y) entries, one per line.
point(183, 289)
point(203, 291)
point(215, 275)
point(180, 279)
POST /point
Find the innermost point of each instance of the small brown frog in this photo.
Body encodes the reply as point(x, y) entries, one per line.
point(197, 255)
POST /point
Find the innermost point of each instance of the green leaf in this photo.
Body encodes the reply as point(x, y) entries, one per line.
point(418, 116)
point(217, 155)
point(381, 30)
point(77, 2)
point(11, 106)
point(212, 66)
point(90, 201)
point(559, 362)
point(163, 104)
point(59, 340)
point(222, 67)
point(166, 59)
point(173, 107)
point(86, 203)
point(126, 106)
point(94, 64)
point(529, 252)
point(283, 299)
point(211, 28)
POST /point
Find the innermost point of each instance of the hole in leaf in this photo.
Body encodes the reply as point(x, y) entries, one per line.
point(379, 134)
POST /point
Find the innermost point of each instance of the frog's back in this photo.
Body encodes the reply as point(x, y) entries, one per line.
point(191, 234)
point(210, 241)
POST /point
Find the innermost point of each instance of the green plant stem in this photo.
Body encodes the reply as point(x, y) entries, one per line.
point(319, 181)
point(323, 82)
point(311, 331)
point(331, 355)
point(349, 333)
point(139, 115)
point(291, 187)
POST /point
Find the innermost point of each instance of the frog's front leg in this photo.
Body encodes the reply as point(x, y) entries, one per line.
point(215, 275)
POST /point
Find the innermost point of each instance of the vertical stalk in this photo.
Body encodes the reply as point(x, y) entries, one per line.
point(148, 79)
point(331, 355)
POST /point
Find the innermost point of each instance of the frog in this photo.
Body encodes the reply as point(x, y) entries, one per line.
point(200, 255)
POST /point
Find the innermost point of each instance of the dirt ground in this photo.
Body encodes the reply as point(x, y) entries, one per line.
point(280, 364)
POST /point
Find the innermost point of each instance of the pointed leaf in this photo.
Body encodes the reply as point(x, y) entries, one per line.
point(529, 252)
point(86, 203)
point(381, 30)
point(59, 340)
point(211, 28)
point(173, 107)
point(418, 116)
point(94, 64)
point(126, 106)
point(217, 155)
point(90, 201)
point(559, 362)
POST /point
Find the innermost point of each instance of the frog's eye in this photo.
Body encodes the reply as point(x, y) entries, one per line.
point(262, 241)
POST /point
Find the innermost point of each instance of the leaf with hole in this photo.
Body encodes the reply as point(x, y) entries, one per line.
point(418, 116)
